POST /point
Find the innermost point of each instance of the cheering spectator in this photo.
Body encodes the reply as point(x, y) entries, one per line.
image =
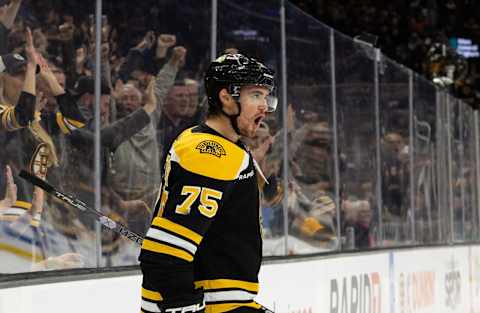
point(135, 163)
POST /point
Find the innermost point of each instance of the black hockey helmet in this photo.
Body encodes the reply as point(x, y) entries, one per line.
point(232, 71)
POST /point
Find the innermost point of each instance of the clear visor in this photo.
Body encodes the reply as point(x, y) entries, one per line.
point(270, 100)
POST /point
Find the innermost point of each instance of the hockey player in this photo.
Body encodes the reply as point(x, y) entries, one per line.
point(203, 250)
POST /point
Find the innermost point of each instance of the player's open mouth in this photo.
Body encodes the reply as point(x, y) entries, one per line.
point(258, 120)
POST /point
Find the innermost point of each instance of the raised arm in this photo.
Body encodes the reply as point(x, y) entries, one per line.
point(9, 17)
point(23, 112)
point(121, 130)
point(166, 76)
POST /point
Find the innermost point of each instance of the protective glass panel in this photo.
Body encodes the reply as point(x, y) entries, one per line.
point(145, 42)
point(37, 231)
point(354, 72)
point(394, 134)
point(455, 159)
point(468, 182)
point(461, 205)
point(442, 143)
point(253, 28)
point(476, 176)
point(425, 194)
point(312, 225)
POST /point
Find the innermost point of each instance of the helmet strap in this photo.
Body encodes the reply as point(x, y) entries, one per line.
point(233, 118)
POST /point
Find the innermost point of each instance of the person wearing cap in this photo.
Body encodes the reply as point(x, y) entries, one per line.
point(27, 145)
point(33, 146)
point(203, 250)
point(84, 95)
point(17, 117)
point(17, 111)
point(75, 174)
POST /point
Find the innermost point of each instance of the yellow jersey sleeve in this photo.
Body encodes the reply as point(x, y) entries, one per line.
point(209, 155)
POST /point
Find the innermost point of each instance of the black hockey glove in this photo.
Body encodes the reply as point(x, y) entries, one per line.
point(196, 304)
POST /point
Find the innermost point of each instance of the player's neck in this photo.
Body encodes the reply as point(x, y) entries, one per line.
point(222, 125)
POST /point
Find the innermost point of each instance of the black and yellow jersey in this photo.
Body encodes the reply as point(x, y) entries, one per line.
point(25, 148)
point(205, 232)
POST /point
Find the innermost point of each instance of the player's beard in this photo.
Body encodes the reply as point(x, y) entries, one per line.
point(247, 127)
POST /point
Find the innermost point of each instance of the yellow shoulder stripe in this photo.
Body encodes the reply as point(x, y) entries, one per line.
point(151, 295)
point(9, 120)
point(209, 155)
point(75, 123)
point(61, 123)
point(177, 229)
point(164, 249)
point(226, 284)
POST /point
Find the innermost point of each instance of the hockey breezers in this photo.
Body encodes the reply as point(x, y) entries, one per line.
point(102, 219)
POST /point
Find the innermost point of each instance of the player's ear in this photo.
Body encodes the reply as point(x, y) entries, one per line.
point(224, 96)
point(228, 103)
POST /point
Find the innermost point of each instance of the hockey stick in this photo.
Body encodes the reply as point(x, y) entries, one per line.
point(102, 219)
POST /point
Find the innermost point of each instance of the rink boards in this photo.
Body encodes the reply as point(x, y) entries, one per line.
point(424, 280)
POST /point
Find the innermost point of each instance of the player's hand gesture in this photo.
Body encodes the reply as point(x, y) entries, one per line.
point(11, 190)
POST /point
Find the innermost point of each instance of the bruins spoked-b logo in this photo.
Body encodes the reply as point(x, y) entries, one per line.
point(211, 147)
